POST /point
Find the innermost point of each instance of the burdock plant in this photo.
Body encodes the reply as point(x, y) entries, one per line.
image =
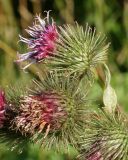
point(55, 111)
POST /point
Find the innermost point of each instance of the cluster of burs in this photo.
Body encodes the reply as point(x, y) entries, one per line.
point(55, 110)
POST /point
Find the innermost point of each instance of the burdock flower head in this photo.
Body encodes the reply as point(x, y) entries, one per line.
point(42, 42)
point(106, 138)
point(79, 51)
point(2, 108)
point(53, 114)
point(40, 112)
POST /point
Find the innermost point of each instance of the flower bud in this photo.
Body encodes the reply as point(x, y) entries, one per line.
point(2, 108)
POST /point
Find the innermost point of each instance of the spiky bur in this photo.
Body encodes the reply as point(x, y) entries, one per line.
point(106, 138)
point(42, 41)
point(53, 115)
point(79, 50)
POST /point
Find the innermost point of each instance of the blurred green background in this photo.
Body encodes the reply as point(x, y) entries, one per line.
point(108, 16)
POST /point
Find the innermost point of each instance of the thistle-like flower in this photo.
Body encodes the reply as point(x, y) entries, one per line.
point(41, 111)
point(2, 108)
point(106, 138)
point(42, 43)
point(53, 114)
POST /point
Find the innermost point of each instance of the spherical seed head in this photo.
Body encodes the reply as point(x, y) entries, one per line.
point(2, 108)
point(40, 113)
point(42, 43)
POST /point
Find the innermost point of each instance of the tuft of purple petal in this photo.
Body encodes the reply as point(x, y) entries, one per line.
point(2, 108)
point(40, 113)
point(42, 41)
